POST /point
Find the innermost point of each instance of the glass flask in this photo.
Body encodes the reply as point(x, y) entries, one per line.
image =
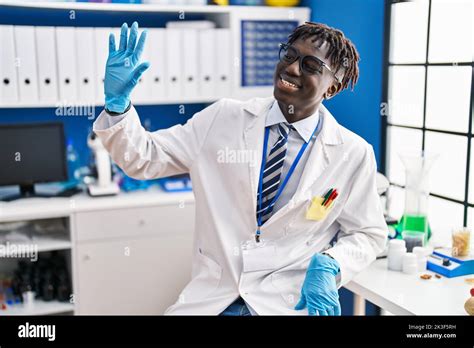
point(417, 170)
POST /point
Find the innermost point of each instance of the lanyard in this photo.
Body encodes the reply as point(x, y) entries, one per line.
point(285, 181)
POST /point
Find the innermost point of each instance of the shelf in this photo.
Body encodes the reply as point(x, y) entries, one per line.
point(145, 7)
point(100, 105)
point(39, 308)
point(253, 91)
point(34, 208)
point(224, 17)
point(50, 244)
point(45, 244)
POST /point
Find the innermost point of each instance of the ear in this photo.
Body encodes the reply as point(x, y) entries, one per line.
point(333, 90)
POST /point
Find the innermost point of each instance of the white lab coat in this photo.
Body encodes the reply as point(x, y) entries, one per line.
point(225, 193)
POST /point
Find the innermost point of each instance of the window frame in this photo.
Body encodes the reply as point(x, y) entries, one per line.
point(385, 99)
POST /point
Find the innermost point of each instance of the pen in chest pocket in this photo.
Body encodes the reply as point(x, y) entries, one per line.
point(329, 197)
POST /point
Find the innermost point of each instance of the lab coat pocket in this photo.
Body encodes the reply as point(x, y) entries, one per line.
point(317, 211)
point(300, 223)
point(288, 284)
point(205, 279)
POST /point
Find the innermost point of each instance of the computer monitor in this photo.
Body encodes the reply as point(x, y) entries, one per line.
point(31, 153)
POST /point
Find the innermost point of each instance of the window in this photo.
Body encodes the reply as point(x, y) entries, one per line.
point(428, 90)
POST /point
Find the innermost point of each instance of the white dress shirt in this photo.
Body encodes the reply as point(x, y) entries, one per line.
point(304, 128)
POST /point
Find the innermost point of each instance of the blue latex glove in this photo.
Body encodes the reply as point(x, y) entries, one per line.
point(122, 71)
point(319, 291)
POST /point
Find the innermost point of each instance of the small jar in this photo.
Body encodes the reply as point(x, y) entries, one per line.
point(422, 254)
point(410, 263)
point(461, 241)
point(396, 250)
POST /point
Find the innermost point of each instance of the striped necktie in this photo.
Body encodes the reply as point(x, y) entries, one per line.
point(272, 171)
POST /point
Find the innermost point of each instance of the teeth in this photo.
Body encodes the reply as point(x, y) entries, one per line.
point(286, 83)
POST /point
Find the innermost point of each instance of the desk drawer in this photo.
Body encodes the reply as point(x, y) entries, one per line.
point(137, 221)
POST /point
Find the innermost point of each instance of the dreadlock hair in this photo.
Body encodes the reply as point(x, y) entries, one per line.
point(341, 53)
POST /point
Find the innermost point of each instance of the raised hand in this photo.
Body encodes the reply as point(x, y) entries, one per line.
point(123, 71)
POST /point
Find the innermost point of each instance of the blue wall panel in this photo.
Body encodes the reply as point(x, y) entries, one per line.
point(362, 21)
point(78, 127)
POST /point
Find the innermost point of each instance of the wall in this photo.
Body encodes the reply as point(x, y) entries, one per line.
point(77, 128)
point(362, 21)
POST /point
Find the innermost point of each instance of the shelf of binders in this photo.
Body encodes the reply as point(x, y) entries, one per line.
point(191, 62)
point(50, 66)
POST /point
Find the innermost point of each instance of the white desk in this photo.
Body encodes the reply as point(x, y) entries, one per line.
point(37, 208)
point(405, 294)
point(137, 243)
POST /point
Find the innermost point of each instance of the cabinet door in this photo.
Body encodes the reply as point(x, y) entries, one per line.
point(137, 276)
point(134, 222)
point(132, 261)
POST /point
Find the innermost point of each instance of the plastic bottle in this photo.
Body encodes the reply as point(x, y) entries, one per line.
point(422, 256)
point(48, 287)
point(396, 250)
point(72, 162)
point(410, 263)
point(63, 290)
point(2, 296)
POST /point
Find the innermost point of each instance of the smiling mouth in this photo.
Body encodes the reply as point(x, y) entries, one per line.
point(288, 83)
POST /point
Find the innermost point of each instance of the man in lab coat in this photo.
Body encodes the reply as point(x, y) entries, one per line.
point(286, 204)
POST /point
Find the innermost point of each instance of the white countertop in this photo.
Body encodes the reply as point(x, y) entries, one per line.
point(39, 308)
point(406, 294)
point(37, 208)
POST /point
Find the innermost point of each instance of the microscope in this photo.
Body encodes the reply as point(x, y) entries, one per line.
point(104, 186)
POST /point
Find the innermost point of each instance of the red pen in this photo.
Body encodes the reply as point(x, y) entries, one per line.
point(335, 196)
point(331, 198)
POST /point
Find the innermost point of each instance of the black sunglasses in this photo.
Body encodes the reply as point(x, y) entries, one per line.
point(309, 64)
